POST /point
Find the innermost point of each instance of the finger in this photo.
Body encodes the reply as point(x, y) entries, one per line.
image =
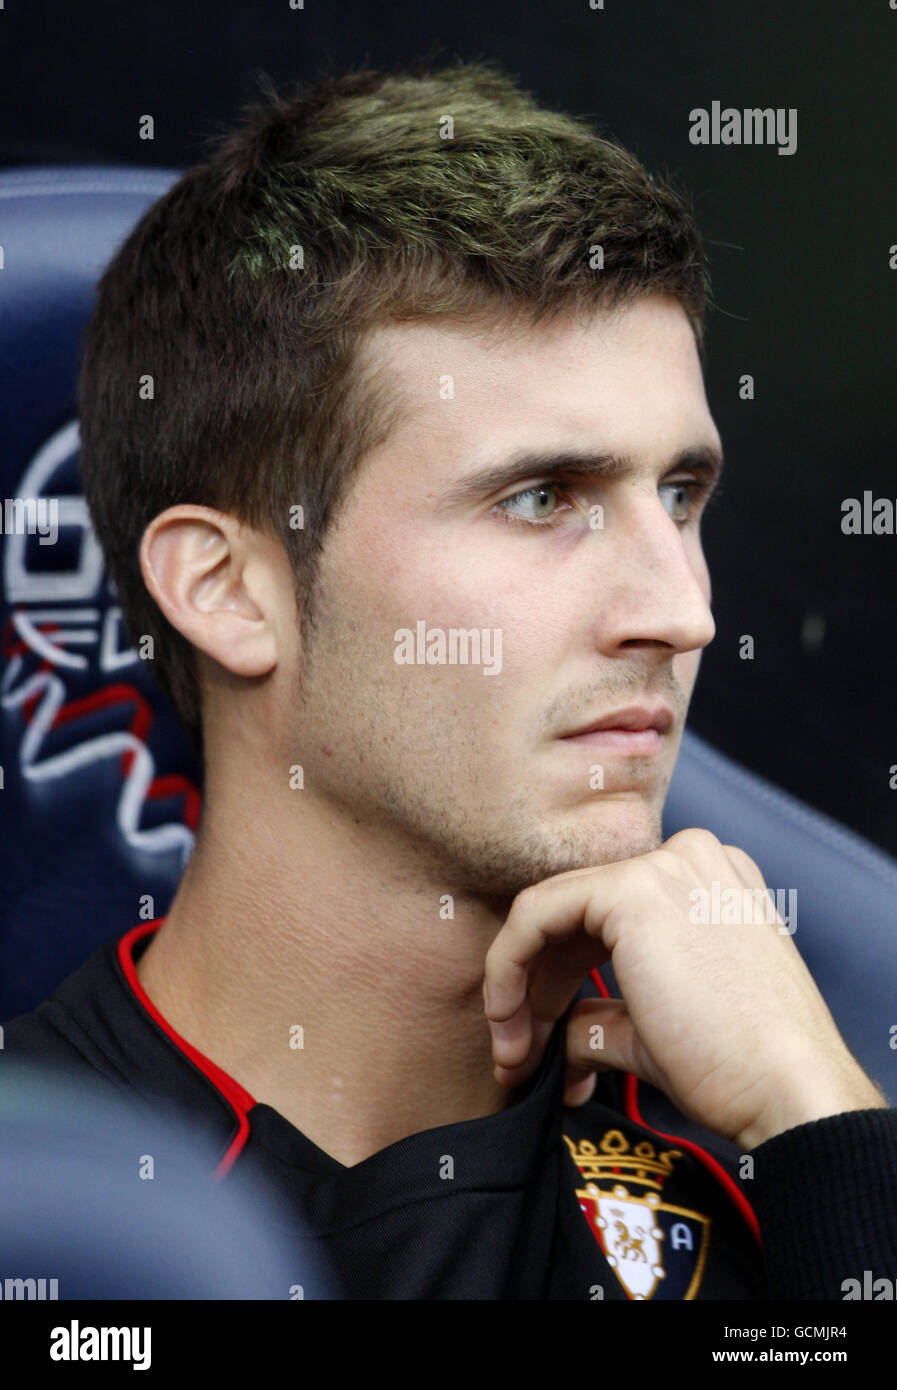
point(576, 1093)
point(554, 981)
point(512, 1038)
point(695, 840)
point(516, 1073)
point(542, 916)
point(744, 865)
point(557, 976)
point(602, 1037)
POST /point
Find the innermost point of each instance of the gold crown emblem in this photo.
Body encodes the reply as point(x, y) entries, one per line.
point(614, 1156)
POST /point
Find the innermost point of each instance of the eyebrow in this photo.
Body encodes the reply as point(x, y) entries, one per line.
point(703, 459)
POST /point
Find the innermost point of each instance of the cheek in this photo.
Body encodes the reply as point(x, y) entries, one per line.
point(509, 660)
point(512, 609)
point(408, 576)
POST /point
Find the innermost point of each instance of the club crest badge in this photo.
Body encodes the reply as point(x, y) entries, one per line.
point(655, 1248)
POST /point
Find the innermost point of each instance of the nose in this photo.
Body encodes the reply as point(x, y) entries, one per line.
point(652, 578)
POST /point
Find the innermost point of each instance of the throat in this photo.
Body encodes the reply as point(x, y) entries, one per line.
point(353, 1083)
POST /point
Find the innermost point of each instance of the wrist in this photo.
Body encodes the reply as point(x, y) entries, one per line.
point(810, 1101)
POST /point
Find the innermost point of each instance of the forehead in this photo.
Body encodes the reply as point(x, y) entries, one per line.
point(629, 380)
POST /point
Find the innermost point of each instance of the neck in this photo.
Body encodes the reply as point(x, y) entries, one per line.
point(323, 921)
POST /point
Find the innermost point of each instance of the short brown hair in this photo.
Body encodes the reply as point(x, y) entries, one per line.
point(259, 400)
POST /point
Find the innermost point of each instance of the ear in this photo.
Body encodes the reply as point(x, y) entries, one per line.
point(213, 580)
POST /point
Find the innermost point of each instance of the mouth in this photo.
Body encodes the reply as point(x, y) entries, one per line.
point(636, 731)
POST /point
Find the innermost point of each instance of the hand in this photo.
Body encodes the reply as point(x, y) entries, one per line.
point(725, 1019)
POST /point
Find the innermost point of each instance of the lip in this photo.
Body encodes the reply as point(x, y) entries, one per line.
point(652, 721)
point(633, 743)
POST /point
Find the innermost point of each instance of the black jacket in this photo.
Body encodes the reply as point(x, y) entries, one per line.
point(620, 1198)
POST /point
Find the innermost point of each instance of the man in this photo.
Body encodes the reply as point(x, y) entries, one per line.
point(395, 436)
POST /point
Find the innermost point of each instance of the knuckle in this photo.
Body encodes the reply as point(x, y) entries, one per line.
point(669, 863)
point(696, 836)
point(527, 897)
point(666, 858)
point(748, 865)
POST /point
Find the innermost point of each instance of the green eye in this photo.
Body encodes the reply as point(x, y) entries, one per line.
point(688, 493)
point(543, 495)
point(541, 502)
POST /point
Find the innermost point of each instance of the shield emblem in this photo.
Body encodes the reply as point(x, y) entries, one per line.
point(656, 1249)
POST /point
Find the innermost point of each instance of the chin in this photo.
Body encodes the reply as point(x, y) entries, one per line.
point(626, 830)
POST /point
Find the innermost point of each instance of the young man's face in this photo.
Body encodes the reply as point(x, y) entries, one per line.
point(468, 768)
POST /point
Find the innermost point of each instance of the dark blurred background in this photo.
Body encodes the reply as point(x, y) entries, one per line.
point(799, 252)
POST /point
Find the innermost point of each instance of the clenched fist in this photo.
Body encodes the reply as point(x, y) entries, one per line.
point(725, 1018)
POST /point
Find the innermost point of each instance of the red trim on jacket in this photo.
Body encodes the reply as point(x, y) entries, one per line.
point(728, 1183)
point(239, 1099)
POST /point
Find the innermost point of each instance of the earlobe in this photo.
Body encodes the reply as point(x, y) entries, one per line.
point(199, 566)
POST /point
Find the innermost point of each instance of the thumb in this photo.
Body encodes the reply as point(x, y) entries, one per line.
point(601, 1037)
